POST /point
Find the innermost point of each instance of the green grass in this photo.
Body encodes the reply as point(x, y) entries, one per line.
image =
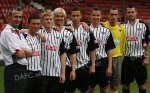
point(134, 88)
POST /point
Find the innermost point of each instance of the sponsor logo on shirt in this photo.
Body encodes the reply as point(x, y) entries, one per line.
point(98, 41)
point(116, 42)
point(80, 43)
point(132, 38)
point(36, 53)
point(51, 47)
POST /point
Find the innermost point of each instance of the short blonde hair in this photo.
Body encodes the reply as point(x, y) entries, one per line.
point(47, 13)
point(59, 10)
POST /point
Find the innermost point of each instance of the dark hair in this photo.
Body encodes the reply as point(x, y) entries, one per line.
point(112, 8)
point(76, 9)
point(33, 16)
point(11, 11)
point(130, 6)
point(96, 9)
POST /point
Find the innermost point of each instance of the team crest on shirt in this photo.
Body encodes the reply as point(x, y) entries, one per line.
point(120, 30)
point(97, 41)
point(139, 29)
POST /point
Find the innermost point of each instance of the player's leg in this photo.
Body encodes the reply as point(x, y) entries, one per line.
point(127, 75)
point(140, 74)
point(83, 79)
point(116, 75)
point(69, 85)
point(103, 79)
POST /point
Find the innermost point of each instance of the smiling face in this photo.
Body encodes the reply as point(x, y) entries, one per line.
point(15, 18)
point(47, 21)
point(131, 14)
point(59, 19)
point(76, 17)
point(96, 16)
point(34, 25)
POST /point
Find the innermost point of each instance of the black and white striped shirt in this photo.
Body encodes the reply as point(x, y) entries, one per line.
point(51, 50)
point(34, 61)
point(70, 44)
point(85, 40)
point(104, 39)
point(135, 36)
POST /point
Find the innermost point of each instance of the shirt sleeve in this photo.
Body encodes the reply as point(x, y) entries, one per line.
point(147, 34)
point(110, 43)
point(73, 46)
point(12, 43)
point(62, 47)
point(92, 45)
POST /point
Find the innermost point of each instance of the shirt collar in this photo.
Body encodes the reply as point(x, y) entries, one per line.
point(136, 21)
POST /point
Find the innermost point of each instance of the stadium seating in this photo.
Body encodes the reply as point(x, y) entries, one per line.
point(143, 7)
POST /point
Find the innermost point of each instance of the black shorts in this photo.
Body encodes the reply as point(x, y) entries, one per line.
point(15, 78)
point(132, 69)
point(81, 82)
point(99, 77)
point(34, 82)
point(51, 84)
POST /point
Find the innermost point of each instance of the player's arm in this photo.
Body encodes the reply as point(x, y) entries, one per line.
point(108, 48)
point(85, 26)
point(43, 38)
point(92, 45)
point(147, 49)
point(63, 61)
point(23, 30)
point(28, 52)
point(14, 47)
point(72, 55)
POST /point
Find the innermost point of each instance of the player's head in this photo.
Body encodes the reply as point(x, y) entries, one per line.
point(59, 16)
point(34, 23)
point(131, 12)
point(15, 17)
point(76, 15)
point(47, 19)
point(113, 15)
point(96, 15)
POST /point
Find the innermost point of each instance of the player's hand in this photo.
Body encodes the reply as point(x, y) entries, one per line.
point(62, 78)
point(23, 30)
point(119, 24)
point(145, 61)
point(56, 28)
point(109, 71)
point(69, 28)
point(43, 38)
point(72, 75)
point(85, 26)
point(92, 70)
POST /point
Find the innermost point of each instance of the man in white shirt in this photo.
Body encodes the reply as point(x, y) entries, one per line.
point(14, 51)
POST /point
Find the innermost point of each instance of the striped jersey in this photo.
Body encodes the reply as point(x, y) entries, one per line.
point(135, 36)
point(51, 50)
point(34, 61)
point(104, 39)
point(70, 44)
point(119, 35)
point(85, 41)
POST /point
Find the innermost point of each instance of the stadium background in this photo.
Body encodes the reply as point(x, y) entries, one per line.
point(37, 6)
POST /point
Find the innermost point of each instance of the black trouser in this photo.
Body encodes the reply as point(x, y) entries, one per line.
point(34, 80)
point(15, 77)
point(51, 84)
